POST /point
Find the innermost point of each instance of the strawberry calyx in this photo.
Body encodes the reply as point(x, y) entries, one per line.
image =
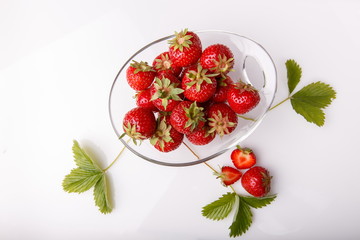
point(266, 181)
point(198, 77)
point(194, 114)
point(181, 40)
point(244, 86)
point(220, 124)
point(223, 65)
point(166, 90)
point(245, 151)
point(221, 81)
point(130, 130)
point(164, 63)
point(162, 134)
point(141, 67)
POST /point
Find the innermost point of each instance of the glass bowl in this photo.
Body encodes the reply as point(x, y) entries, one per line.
point(252, 65)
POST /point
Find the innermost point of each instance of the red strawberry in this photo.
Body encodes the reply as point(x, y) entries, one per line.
point(162, 63)
point(218, 58)
point(243, 158)
point(166, 138)
point(198, 85)
point(140, 75)
point(256, 181)
point(186, 117)
point(223, 85)
point(165, 92)
point(222, 119)
point(242, 97)
point(185, 49)
point(143, 100)
point(139, 123)
point(200, 136)
point(229, 175)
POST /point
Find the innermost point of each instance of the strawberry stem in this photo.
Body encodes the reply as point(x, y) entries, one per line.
point(280, 103)
point(246, 118)
point(117, 157)
point(191, 151)
point(208, 165)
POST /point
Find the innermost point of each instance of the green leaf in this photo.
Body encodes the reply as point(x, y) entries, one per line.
point(82, 160)
point(293, 74)
point(310, 113)
point(310, 101)
point(256, 202)
point(220, 208)
point(80, 180)
point(317, 94)
point(242, 219)
point(101, 195)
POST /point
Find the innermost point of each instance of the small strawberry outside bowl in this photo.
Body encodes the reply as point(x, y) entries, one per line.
point(252, 65)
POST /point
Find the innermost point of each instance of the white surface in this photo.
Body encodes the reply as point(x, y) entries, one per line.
point(57, 63)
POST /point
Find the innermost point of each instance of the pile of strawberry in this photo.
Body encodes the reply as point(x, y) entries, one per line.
point(256, 180)
point(186, 92)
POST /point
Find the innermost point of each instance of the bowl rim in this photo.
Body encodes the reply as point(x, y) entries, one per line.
point(200, 160)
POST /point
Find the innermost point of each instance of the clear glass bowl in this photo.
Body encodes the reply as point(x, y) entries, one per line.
point(252, 65)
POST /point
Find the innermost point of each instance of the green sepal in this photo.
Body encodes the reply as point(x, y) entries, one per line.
point(198, 77)
point(141, 67)
point(181, 40)
point(166, 90)
point(194, 115)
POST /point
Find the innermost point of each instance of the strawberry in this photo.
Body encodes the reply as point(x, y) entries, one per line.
point(198, 85)
point(229, 175)
point(165, 94)
point(223, 85)
point(140, 75)
point(162, 63)
point(186, 117)
point(200, 136)
point(166, 138)
point(143, 100)
point(256, 181)
point(221, 119)
point(218, 58)
point(242, 97)
point(243, 158)
point(139, 123)
point(185, 49)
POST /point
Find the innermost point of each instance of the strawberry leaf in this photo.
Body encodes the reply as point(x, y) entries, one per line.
point(293, 74)
point(220, 208)
point(311, 99)
point(101, 197)
point(317, 94)
point(310, 113)
point(242, 219)
point(82, 160)
point(80, 180)
point(256, 202)
point(87, 175)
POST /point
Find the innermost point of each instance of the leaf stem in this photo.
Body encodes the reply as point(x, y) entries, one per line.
point(117, 157)
point(246, 118)
point(280, 103)
point(208, 165)
point(191, 151)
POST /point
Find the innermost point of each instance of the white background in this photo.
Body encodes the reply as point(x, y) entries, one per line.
point(57, 63)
